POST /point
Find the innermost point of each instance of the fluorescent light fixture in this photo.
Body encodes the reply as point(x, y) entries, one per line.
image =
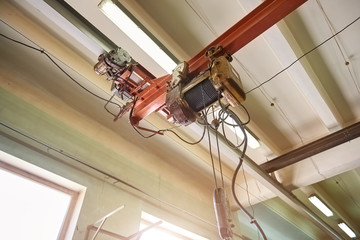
point(46, 11)
point(122, 21)
point(320, 205)
point(252, 141)
point(347, 230)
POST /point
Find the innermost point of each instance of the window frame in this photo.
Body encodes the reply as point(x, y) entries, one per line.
point(44, 177)
point(148, 219)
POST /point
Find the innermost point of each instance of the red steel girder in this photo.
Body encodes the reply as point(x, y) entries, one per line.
point(151, 99)
point(247, 29)
point(252, 25)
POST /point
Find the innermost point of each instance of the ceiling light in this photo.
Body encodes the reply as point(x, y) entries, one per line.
point(320, 205)
point(347, 230)
point(251, 140)
point(133, 31)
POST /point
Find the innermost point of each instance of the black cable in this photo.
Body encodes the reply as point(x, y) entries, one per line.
point(243, 123)
point(60, 68)
point(220, 165)
point(233, 116)
point(316, 47)
point(162, 130)
point(103, 172)
point(84, 88)
point(186, 141)
point(227, 106)
point(135, 128)
point(252, 219)
point(105, 107)
point(233, 182)
point(211, 156)
point(247, 113)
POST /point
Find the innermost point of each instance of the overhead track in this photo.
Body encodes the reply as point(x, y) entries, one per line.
point(335, 139)
point(247, 29)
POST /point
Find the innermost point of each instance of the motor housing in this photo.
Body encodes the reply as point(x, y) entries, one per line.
point(186, 98)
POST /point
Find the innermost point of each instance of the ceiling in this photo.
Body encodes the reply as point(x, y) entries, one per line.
point(315, 97)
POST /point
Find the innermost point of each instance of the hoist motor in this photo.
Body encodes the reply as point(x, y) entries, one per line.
point(186, 98)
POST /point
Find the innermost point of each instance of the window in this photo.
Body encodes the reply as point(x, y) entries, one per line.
point(165, 231)
point(36, 204)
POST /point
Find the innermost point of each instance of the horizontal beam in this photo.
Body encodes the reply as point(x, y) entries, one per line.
point(151, 99)
point(342, 136)
point(247, 29)
point(252, 25)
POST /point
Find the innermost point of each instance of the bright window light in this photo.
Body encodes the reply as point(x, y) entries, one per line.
point(30, 210)
point(122, 21)
point(166, 231)
point(347, 230)
point(321, 206)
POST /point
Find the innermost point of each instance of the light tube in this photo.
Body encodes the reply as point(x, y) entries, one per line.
point(321, 206)
point(251, 140)
point(122, 21)
point(347, 230)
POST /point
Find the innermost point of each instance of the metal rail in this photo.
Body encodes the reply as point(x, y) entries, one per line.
point(342, 136)
point(252, 25)
point(264, 178)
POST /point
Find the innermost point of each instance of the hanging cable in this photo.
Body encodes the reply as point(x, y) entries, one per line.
point(186, 141)
point(298, 59)
point(60, 68)
point(215, 125)
point(211, 156)
point(229, 143)
point(247, 114)
point(233, 182)
point(136, 127)
point(97, 96)
point(219, 158)
point(117, 179)
point(105, 107)
point(162, 131)
point(247, 191)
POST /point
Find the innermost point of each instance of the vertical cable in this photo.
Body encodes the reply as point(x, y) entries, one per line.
point(211, 156)
point(218, 149)
point(233, 181)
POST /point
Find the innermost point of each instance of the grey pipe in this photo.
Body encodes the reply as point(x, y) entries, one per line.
point(280, 190)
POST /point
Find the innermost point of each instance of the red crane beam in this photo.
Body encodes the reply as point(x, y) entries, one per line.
point(248, 28)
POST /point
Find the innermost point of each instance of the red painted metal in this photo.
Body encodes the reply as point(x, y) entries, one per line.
point(247, 29)
point(152, 99)
point(252, 25)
